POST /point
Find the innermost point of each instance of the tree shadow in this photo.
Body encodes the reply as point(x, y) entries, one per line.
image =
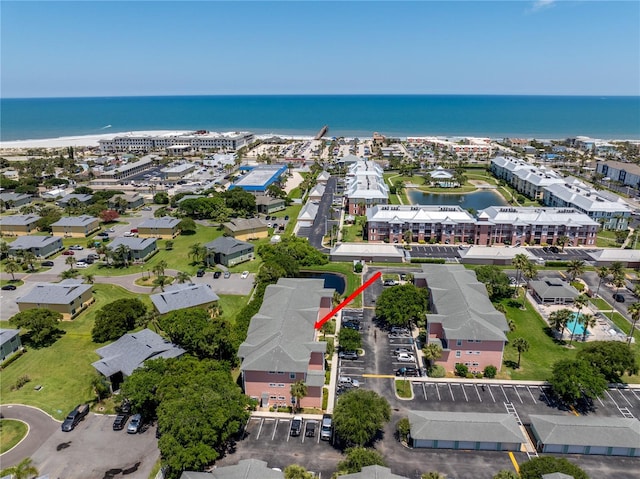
point(549, 331)
point(27, 340)
point(511, 364)
point(187, 233)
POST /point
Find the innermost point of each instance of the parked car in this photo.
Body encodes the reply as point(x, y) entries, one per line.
point(346, 381)
point(286, 218)
point(401, 350)
point(554, 249)
point(103, 234)
point(47, 263)
point(200, 273)
point(120, 421)
point(296, 426)
point(348, 355)
point(410, 372)
point(129, 234)
point(76, 247)
point(399, 330)
point(134, 425)
point(81, 264)
point(9, 287)
point(110, 230)
point(227, 275)
point(310, 428)
point(68, 253)
point(618, 297)
point(134, 230)
point(244, 275)
point(217, 274)
point(75, 416)
point(351, 325)
point(93, 256)
point(146, 208)
point(389, 282)
point(405, 358)
point(326, 429)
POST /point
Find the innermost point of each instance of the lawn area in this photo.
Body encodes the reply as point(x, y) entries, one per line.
point(231, 304)
point(607, 239)
point(16, 283)
point(11, 433)
point(543, 351)
point(600, 303)
point(63, 369)
point(352, 234)
point(403, 389)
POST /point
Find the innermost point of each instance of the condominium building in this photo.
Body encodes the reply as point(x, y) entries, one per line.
point(525, 178)
point(461, 146)
point(626, 173)
point(197, 140)
point(365, 187)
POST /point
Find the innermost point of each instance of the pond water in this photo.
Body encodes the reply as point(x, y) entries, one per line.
point(331, 280)
point(477, 200)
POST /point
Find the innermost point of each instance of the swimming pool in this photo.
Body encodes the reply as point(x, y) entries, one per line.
point(573, 323)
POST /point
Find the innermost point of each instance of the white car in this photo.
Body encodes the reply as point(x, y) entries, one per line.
point(129, 234)
point(244, 275)
point(110, 230)
point(406, 358)
point(81, 264)
point(76, 247)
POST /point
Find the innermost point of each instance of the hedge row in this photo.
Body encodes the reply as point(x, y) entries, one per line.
point(428, 260)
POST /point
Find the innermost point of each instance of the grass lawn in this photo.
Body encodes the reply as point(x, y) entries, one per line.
point(11, 433)
point(600, 304)
point(543, 349)
point(403, 389)
point(16, 283)
point(231, 304)
point(63, 369)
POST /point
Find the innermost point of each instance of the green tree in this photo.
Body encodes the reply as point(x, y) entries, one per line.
point(506, 474)
point(432, 475)
point(294, 471)
point(519, 262)
point(398, 305)
point(187, 226)
point(197, 252)
point(70, 261)
point(29, 259)
point(349, 339)
point(496, 282)
point(536, 467)
point(160, 267)
point(560, 318)
point(573, 380)
point(432, 352)
point(42, 324)
point(12, 268)
point(634, 311)
point(23, 470)
point(183, 277)
point(160, 282)
point(359, 415)
point(587, 321)
point(168, 245)
point(562, 241)
point(522, 346)
point(141, 387)
point(4, 249)
point(575, 268)
point(100, 386)
point(603, 272)
point(117, 318)
point(610, 358)
point(240, 201)
point(357, 458)
point(298, 391)
point(161, 198)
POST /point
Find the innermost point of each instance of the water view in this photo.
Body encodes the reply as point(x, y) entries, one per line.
point(331, 280)
point(477, 200)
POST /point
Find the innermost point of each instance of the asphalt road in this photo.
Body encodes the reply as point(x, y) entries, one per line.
point(322, 218)
point(41, 427)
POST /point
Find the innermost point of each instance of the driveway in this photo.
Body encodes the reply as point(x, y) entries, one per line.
point(41, 427)
point(322, 222)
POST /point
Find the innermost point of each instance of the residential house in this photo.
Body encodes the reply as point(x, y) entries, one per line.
point(245, 469)
point(282, 345)
point(323, 177)
point(69, 297)
point(14, 200)
point(462, 319)
point(9, 342)
point(316, 193)
point(474, 431)
point(548, 290)
point(133, 201)
point(76, 226)
point(40, 246)
point(181, 296)
point(307, 214)
point(373, 472)
point(18, 225)
point(228, 251)
point(140, 249)
point(268, 204)
point(74, 199)
point(121, 358)
point(164, 228)
point(246, 229)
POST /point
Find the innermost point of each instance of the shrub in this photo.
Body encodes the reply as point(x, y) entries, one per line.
point(469, 375)
point(490, 371)
point(478, 374)
point(558, 264)
point(428, 260)
point(21, 381)
point(357, 268)
point(461, 370)
point(325, 398)
point(12, 358)
point(403, 428)
point(437, 371)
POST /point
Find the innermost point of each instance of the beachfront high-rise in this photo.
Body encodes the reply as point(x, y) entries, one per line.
point(196, 141)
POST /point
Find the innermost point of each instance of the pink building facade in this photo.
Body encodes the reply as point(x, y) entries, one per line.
point(282, 345)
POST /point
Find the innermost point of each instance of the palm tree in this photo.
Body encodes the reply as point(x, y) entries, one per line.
point(579, 302)
point(4, 249)
point(562, 241)
point(89, 278)
point(530, 272)
point(522, 346)
point(159, 268)
point(168, 245)
point(634, 311)
point(23, 470)
point(408, 236)
point(560, 318)
point(432, 352)
point(29, 258)
point(183, 277)
point(575, 268)
point(616, 269)
point(432, 475)
point(197, 252)
point(159, 282)
point(603, 272)
point(12, 268)
point(587, 321)
point(519, 261)
point(69, 274)
point(121, 255)
point(298, 391)
point(70, 261)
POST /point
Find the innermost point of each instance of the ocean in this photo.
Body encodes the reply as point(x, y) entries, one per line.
point(542, 117)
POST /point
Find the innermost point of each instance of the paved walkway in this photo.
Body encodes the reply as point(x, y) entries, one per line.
point(41, 426)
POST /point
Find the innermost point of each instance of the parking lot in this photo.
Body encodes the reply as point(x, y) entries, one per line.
point(435, 251)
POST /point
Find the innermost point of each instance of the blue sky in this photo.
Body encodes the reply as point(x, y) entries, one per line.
point(62, 49)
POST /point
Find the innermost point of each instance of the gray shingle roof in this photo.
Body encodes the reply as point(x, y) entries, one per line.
point(32, 241)
point(553, 288)
point(227, 245)
point(183, 296)
point(245, 469)
point(373, 472)
point(83, 220)
point(164, 222)
point(586, 431)
point(7, 335)
point(18, 220)
point(80, 197)
point(130, 351)
point(55, 293)
point(281, 336)
point(462, 305)
point(241, 224)
point(6, 196)
point(134, 244)
point(464, 426)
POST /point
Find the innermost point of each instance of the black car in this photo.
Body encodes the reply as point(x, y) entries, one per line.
point(75, 416)
point(351, 325)
point(47, 263)
point(200, 273)
point(286, 218)
point(8, 287)
point(618, 297)
point(310, 428)
point(296, 426)
point(120, 421)
point(217, 274)
point(407, 372)
point(103, 234)
point(554, 249)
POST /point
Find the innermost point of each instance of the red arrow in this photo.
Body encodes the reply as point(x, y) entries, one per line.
point(371, 280)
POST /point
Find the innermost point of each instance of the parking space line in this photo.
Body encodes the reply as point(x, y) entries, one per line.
point(424, 391)
point(634, 393)
point(478, 392)
point(438, 390)
point(465, 393)
point(623, 397)
point(531, 394)
point(518, 394)
point(491, 392)
point(546, 399)
point(506, 398)
point(600, 400)
point(614, 401)
point(260, 428)
point(451, 392)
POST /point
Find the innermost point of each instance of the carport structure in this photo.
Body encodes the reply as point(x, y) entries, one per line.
point(586, 435)
point(465, 430)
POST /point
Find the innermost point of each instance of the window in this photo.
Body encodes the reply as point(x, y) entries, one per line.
point(459, 342)
point(457, 354)
point(272, 397)
point(282, 398)
point(477, 352)
point(292, 375)
point(280, 385)
point(271, 372)
point(469, 352)
point(273, 385)
point(476, 364)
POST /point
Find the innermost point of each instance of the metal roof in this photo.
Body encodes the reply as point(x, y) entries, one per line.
point(32, 241)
